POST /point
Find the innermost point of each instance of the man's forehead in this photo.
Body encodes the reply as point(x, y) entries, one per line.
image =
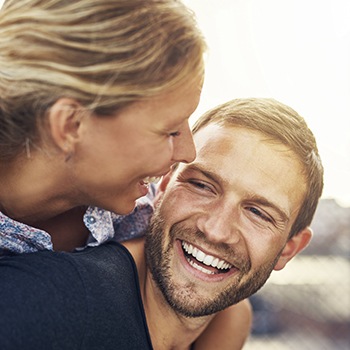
point(204, 136)
point(219, 139)
point(215, 137)
point(215, 144)
point(245, 160)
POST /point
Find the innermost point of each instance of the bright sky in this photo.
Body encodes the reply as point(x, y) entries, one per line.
point(296, 51)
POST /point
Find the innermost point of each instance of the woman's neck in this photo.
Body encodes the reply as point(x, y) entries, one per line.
point(34, 189)
point(67, 230)
point(38, 192)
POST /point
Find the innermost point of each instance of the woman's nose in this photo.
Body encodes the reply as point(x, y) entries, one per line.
point(184, 148)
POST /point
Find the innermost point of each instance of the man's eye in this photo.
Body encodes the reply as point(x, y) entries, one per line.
point(199, 185)
point(258, 213)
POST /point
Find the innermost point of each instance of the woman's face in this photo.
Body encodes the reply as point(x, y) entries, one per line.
point(118, 153)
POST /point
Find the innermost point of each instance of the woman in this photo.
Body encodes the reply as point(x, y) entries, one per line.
point(95, 101)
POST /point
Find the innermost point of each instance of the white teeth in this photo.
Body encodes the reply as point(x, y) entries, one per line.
point(200, 256)
point(208, 260)
point(190, 249)
point(151, 179)
point(220, 264)
point(200, 268)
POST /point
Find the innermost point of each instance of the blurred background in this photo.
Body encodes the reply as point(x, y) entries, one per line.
point(297, 51)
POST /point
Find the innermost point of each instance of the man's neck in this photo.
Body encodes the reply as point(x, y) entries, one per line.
point(164, 324)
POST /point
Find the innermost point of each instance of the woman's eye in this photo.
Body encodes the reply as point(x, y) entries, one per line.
point(174, 134)
point(258, 213)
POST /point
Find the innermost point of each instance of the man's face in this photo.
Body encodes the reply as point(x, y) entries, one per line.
point(223, 222)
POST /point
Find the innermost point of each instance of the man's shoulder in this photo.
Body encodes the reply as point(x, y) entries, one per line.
point(109, 260)
point(113, 284)
point(110, 250)
point(39, 297)
point(56, 266)
point(136, 249)
point(85, 299)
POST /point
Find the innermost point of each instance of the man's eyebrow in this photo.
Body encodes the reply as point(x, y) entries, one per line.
point(207, 173)
point(252, 197)
point(267, 203)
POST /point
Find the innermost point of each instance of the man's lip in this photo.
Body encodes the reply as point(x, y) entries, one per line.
point(205, 258)
point(200, 269)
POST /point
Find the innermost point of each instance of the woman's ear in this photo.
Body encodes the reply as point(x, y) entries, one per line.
point(64, 122)
point(294, 245)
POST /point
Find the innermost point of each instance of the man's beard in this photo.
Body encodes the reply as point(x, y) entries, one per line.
point(183, 299)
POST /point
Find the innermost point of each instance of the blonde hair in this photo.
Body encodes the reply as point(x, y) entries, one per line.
point(279, 123)
point(105, 54)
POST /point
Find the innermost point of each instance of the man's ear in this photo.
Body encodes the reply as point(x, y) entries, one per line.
point(294, 245)
point(165, 180)
point(163, 185)
point(64, 120)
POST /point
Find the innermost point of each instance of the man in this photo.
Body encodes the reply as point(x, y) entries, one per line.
point(221, 225)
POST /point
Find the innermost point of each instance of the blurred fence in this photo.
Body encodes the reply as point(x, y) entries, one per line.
point(306, 306)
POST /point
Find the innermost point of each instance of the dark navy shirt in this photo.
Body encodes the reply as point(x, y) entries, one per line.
point(84, 300)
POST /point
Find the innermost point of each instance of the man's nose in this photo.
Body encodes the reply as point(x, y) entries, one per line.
point(184, 148)
point(220, 225)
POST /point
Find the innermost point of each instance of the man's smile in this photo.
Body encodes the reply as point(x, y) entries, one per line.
point(205, 263)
